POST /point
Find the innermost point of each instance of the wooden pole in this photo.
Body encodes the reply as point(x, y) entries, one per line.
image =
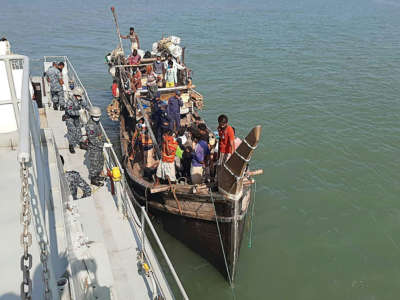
point(116, 24)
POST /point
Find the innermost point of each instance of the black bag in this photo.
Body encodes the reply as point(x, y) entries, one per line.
point(147, 54)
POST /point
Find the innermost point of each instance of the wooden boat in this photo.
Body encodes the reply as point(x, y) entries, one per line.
point(209, 218)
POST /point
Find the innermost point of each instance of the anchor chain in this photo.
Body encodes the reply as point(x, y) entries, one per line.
point(26, 236)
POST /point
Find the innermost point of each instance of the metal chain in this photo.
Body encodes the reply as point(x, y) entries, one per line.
point(26, 236)
point(45, 269)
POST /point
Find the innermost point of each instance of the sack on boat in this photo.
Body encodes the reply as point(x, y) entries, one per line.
point(174, 39)
point(175, 50)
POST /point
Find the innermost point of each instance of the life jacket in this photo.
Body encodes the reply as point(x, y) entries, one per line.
point(146, 140)
point(115, 90)
point(172, 146)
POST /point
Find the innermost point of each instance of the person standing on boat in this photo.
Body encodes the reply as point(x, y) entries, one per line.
point(95, 146)
point(171, 68)
point(152, 87)
point(56, 87)
point(201, 152)
point(166, 168)
point(226, 144)
point(159, 68)
point(136, 79)
point(174, 111)
point(74, 105)
point(134, 58)
point(135, 44)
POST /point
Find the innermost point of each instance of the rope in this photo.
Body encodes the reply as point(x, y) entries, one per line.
point(237, 178)
point(252, 214)
point(250, 146)
point(241, 157)
point(220, 238)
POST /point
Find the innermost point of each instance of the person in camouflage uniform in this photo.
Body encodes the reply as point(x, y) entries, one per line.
point(74, 181)
point(95, 146)
point(56, 86)
point(72, 111)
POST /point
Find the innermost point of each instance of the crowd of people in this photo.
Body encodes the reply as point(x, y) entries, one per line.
point(190, 153)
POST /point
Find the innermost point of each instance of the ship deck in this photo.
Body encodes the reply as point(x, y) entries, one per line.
point(114, 241)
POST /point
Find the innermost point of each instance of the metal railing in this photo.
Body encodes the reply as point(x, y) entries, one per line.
point(124, 196)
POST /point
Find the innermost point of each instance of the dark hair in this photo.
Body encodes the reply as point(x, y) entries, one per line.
point(222, 119)
point(62, 159)
point(169, 132)
point(131, 28)
point(115, 81)
point(134, 51)
point(202, 126)
point(61, 63)
point(169, 55)
point(189, 148)
point(3, 39)
point(181, 131)
point(170, 63)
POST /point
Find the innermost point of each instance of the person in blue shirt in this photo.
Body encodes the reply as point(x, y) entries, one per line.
point(199, 159)
point(174, 111)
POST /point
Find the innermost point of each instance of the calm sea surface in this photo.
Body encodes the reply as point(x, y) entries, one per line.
point(321, 77)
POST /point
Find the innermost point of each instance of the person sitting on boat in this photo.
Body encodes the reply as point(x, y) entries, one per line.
point(135, 44)
point(134, 58)
point(166, 168)
point(72, 113)
point(159, 69)
point(199, 160)
point(226, 144)
point(152, 87)
point(136, 79)
point(174, 111)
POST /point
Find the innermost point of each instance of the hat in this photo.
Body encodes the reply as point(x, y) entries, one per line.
point(177, 92)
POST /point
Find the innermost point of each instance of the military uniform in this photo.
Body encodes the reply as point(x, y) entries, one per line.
point(75, 180)
point(95, 148)
point(72, 108)
point(56, 90)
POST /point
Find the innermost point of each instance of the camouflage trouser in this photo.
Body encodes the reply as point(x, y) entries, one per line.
point(57, 97)
point(74, 181)
point(74, 133)
point(96, 162)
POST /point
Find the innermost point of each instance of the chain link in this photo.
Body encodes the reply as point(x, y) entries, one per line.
point(26, 236)
point(45, 269)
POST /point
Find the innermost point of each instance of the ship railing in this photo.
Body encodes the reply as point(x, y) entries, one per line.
point(125, 199)
point(30, 156)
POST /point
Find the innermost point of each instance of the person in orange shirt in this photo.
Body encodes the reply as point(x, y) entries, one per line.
point(226, 144)
point(166, 168)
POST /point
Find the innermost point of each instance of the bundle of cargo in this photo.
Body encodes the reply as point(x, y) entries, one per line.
point(113, 110)
point(168, 45)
